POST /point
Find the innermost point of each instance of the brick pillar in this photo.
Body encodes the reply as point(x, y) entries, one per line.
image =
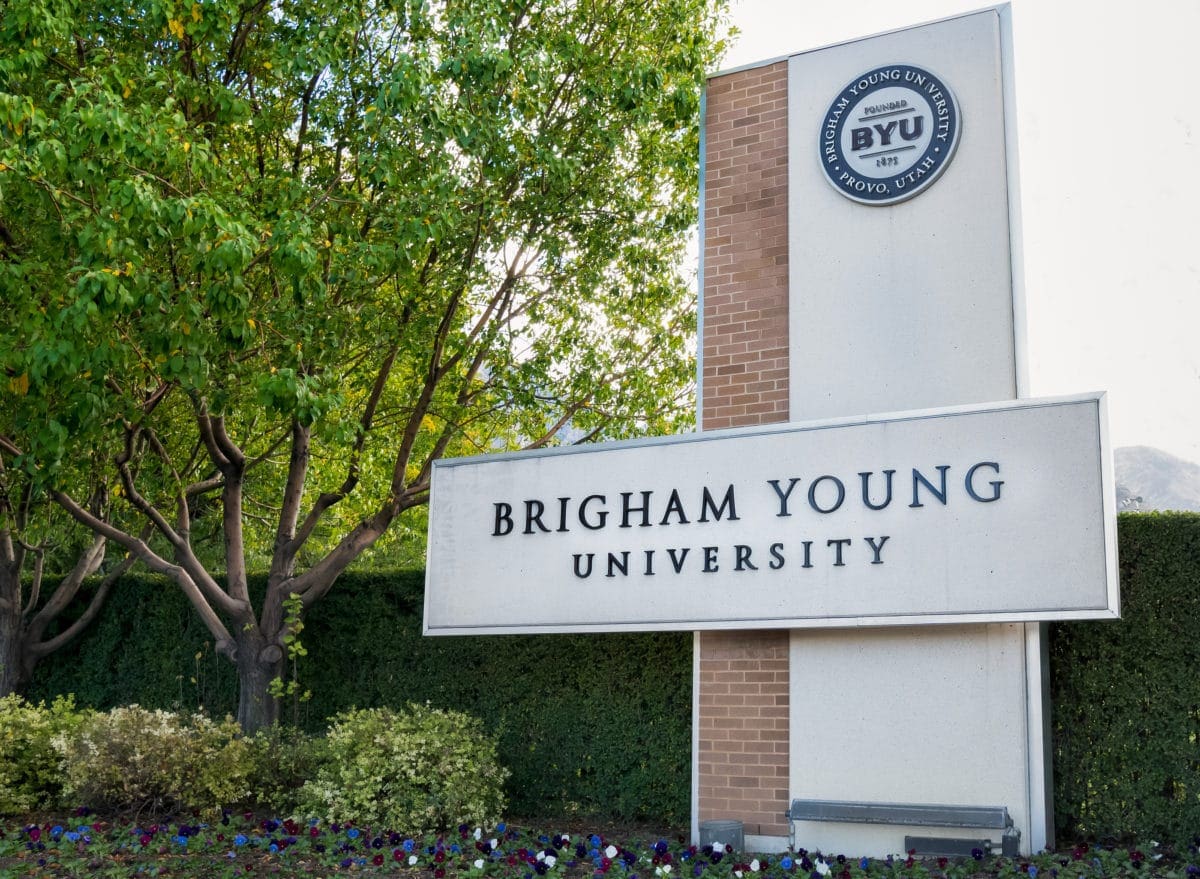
point(742, 718)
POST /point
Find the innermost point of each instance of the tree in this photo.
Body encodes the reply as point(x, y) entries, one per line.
point(279, 256)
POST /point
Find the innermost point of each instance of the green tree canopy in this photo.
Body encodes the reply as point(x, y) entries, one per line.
point(271, 259)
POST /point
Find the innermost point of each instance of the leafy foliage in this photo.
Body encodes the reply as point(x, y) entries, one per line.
point(285, 758)
point(1126, 695)
point(154, 762)
point(30, 776)
point(274, 259)
point(420, 768)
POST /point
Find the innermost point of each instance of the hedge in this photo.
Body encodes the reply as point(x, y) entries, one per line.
point(601, 724)
point(1125, 695)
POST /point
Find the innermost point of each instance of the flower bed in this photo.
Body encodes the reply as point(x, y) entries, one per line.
point(246, 845)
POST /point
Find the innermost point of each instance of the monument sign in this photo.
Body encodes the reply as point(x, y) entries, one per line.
point(980, 513)
point(869, 591)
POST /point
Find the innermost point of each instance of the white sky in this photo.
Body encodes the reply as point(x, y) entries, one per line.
point(1108, 121)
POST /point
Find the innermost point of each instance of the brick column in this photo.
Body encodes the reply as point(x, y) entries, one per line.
point(742, 719)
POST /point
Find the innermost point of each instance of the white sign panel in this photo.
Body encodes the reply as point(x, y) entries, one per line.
point(998, 512)
point(901, 214)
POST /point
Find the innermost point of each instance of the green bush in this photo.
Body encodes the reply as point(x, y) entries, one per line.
point(30, 772)
point(135, 760)
point(284, 759)
point(416, 770)
point(589, 725)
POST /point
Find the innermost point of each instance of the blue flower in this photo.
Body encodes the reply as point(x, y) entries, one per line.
point(352, 833)
point(594, 840)
point(408, 845)
point(240, 839)
point(273, 848)
point(1033, 871)
point(181, 839)
point(864, 863)
point(501, 827)
point(71, 836)
point(787, 863)
point(56, 830)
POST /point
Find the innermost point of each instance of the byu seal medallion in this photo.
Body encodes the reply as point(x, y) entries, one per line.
point(889, 134)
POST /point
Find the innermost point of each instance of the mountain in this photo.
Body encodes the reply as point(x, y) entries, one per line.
point(1151, 479)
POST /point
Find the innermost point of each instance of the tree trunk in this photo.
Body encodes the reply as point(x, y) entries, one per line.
point(258, 663)
point(12, 667)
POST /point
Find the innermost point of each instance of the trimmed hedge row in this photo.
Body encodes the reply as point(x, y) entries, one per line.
point(1125, 695)
point(601, 724)
point(593, 725)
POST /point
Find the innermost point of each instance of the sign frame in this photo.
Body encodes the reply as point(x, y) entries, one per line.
point(435, 624)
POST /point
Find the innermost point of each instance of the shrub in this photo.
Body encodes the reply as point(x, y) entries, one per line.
point(30, 770)
point(416, 770)
point(284, 759)
point(156, 762)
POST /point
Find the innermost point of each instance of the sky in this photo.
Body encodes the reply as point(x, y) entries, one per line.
point(1108, 123)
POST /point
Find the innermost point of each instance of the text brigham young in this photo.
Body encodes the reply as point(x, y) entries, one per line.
point(823, 495)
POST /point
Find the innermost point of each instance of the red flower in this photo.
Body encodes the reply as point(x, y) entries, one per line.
point(439, 873)
point(377, 860)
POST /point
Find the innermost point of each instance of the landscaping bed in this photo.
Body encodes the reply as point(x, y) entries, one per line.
point(246, 845)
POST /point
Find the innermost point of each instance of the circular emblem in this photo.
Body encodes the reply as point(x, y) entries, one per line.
point(889, 134)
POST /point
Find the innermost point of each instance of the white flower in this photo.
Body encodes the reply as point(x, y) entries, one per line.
point(738, 873)
point(718, 846)
point(551, 860)
point(611, 852)
point(479, 863)
point(494, 843)
point(478, 833)
point(663, 870)
point(541, 856)
point(566, 838)
point(412, 860)
point(754, 865)
point(823, 868)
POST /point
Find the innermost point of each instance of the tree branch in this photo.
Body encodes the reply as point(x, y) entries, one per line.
point(296, 539)
point(87, 564)
point(200, 600)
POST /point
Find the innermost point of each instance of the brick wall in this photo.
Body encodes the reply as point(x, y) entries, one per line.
point(744, 729)
point(745, 375)
point(743, 710)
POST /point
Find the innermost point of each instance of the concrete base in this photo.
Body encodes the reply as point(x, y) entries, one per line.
point(766, 845)
point(937, 714)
